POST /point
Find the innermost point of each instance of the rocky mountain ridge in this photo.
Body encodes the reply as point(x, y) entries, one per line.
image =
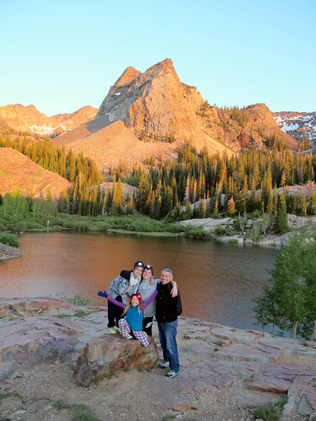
point(297, 125)
point(29, 119)
point(150, 114)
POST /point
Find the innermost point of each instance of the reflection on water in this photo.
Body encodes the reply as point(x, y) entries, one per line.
point(217, 281)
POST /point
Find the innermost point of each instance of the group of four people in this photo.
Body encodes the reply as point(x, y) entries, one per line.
point(149, 298)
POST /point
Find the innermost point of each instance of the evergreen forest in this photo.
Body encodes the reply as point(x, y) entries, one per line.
point(195, 185)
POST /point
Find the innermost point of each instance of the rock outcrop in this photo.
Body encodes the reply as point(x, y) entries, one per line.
point(19, 173)
point(269, 239)
point(107, 355)
point(220, 366)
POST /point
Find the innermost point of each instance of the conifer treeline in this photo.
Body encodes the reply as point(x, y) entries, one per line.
point(223, 184)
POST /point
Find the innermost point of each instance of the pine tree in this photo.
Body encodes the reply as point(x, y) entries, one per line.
point(270, 203)
point(311, 206)
point(275, 200)
point(188, 212)
point(243, 199)
point(281, 222)
point(289, 302)
point(231, 210)
point(301, 205)
point(130, 206)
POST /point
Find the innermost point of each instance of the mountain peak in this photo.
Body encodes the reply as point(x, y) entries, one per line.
point(154, 101)
point(162, 67)
point(127, 76)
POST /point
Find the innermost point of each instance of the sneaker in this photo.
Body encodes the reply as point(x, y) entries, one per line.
point(112, 330)
point(164, 364)
point(118, 329)
point(128, 336)
point(171, 373)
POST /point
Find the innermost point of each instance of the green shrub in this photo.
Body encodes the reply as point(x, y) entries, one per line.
point(98, 226)
point(240, 223)
point(77, 300)
point(255, 234)
point(9, 239)
point(197, 233)
point(77, 225)
point(175, 228)
point(33, 225)
point(84, 416)
point(271, 412)
point(59, 405)
point(19, 226)
point(220, 231)
point(256, 214)
point(7, 395)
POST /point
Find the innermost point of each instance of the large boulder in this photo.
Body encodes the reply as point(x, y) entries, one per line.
point(108, 355)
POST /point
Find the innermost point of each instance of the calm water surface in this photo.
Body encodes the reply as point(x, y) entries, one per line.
point(217, 281)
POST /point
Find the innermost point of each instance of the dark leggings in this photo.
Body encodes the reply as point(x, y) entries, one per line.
point(114, 312)
point(148, 330)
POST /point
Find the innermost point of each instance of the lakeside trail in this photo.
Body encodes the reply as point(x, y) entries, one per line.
point(225, 372)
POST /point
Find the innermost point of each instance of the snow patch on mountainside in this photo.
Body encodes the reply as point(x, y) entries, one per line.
point(297, 125)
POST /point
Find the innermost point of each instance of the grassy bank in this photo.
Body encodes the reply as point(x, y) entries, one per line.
point(132, 224)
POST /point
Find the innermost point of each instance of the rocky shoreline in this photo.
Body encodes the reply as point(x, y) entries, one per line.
point(267, 240)
point(8, 253)
point(225, 372)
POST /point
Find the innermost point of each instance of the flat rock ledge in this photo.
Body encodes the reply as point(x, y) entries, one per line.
point(219, 365)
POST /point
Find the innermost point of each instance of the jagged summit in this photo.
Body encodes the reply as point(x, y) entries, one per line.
point(156, 102)
point(128, 75)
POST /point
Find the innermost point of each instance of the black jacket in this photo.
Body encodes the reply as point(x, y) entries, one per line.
point(167, 308)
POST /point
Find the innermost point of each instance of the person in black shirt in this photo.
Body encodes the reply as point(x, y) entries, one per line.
point(168, 309)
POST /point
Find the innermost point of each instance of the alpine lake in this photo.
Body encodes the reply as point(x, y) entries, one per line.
point(217, 282)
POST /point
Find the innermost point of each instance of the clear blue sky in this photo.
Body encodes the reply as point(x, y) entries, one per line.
point(63, 55)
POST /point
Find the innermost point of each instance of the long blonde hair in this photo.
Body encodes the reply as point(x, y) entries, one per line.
point(129, 305)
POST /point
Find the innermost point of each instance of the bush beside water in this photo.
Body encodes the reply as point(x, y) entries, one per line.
point(9, 240)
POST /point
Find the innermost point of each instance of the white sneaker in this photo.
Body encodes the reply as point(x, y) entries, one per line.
point(164, 364)
point(128, 336)
point(172, 373)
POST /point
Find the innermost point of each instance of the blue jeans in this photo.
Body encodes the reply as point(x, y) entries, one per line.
point(167, 336)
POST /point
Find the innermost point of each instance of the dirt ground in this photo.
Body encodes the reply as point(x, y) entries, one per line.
point(50, 393)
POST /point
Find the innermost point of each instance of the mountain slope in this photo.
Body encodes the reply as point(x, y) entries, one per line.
point(18, 172)
point(30, 119)
point(112, 144)
point(297, 125)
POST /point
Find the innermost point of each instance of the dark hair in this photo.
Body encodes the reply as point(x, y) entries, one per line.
point(138, 264)
point(149, 267)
